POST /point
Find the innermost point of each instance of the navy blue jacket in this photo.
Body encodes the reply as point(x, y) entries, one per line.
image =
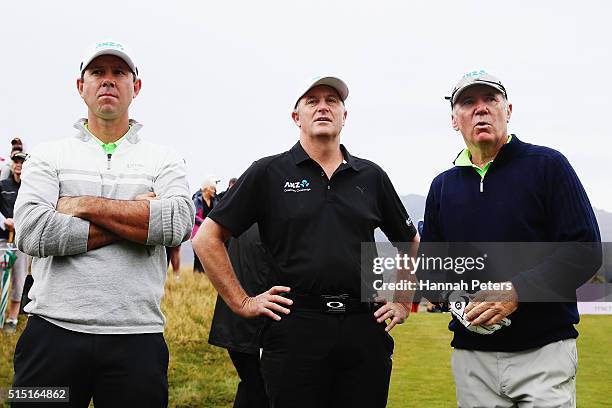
point(529, 194)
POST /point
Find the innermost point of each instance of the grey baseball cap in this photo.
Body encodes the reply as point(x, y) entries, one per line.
point(329, 80)
point(474, 78)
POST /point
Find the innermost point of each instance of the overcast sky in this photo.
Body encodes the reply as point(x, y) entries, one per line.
point(220, 78)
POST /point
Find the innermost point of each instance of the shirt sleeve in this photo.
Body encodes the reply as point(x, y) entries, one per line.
point(574, 227)
point(242, 205)
point(395, 222)
point(171, 217)
point(40, 230)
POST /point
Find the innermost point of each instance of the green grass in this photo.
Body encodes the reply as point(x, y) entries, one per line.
point(421, 375)
point(201, 375)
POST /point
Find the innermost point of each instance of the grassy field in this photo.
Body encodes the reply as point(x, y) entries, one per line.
point(201, 375)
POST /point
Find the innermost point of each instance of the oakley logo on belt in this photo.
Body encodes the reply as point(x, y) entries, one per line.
point(335, 305)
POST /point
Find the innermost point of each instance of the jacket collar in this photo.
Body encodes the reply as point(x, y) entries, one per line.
point(508, 149)
point(131, 135)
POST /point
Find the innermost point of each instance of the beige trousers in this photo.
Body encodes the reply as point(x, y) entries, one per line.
point(541, 377)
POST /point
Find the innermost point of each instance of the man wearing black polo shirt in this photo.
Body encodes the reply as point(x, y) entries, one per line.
point(315, 204)
point(504, 190)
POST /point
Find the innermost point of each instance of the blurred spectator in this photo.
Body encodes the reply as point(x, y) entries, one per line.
point(205, 200)
point(16, 146)
point(8, 194)
point(253, 266)
point(173, 256)
point(230, 184)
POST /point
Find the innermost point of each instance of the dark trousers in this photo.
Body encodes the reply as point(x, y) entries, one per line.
point(197, 265)
point(311, 359)
point(251, 392)
point(116, 370)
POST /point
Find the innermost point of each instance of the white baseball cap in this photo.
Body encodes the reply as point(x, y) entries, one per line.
point(328, 80)
point(108, 48)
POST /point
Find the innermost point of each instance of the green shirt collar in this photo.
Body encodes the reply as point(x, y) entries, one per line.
point(109, 148)
point(465, 160)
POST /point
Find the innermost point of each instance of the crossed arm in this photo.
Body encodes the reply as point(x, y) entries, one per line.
point(110, 219)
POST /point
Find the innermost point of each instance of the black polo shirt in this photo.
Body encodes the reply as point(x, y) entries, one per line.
point(314, 226)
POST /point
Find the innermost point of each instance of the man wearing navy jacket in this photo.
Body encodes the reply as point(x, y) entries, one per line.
point(502, 189)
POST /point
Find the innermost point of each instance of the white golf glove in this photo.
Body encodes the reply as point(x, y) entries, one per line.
point(458, 300)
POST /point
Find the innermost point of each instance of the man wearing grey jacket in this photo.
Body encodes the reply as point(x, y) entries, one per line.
point(95, 211)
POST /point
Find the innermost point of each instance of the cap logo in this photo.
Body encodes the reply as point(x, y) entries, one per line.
point(110, 44)
point(474, 74)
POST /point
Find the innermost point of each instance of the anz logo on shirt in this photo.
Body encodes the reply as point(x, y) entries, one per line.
point(296, 186)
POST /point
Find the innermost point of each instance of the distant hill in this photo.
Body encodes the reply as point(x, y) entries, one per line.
point(604, 219)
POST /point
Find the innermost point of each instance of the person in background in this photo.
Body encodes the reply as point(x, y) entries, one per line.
point(8, 194)
point(173, 257)
point(240, 336)
point(230, 184)
point(204, 200)
point(16, 146)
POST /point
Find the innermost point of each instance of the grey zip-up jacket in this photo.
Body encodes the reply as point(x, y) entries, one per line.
point(116, 289)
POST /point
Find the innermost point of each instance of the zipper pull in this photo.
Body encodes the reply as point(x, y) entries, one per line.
point(109, 155)
point(481, 181)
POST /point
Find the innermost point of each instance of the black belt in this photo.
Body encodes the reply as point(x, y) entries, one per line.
point(332, 304)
